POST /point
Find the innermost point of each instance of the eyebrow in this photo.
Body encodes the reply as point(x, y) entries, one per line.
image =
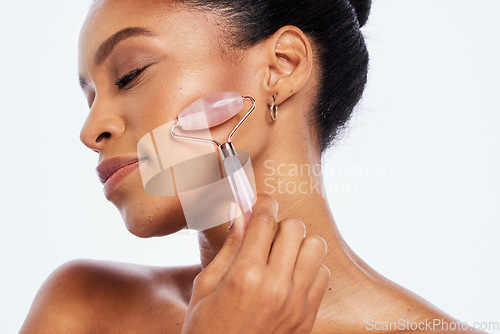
point(109, 44)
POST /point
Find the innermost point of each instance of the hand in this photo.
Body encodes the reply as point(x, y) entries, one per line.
point(267, 278)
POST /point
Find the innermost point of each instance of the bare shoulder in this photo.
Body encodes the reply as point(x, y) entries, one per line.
point(364, 301)
point(411, 313)
point(84, 296)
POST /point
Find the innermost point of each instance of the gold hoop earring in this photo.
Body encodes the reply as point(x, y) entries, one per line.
point(273, 111)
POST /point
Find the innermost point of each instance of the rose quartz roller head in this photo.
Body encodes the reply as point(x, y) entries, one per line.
point(211, 111)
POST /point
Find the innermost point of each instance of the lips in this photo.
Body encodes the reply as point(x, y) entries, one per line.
point(110, 166)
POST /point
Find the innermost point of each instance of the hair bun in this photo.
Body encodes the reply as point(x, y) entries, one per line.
point(362, 8)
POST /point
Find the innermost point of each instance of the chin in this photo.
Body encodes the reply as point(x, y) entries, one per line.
point(148, 216)
point(145, 215)
point(158, 216)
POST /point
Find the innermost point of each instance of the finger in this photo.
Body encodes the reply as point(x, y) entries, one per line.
point(319, 285)
point(286, 246)
point(220, 265)
point(315, 296)
point(311, 255)
point(260, 231)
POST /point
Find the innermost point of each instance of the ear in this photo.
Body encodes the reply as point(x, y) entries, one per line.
point(289, 63)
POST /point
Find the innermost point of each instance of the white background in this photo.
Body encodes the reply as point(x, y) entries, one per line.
point(414, 184)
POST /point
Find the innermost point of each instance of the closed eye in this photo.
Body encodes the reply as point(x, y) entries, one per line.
point(124, 81)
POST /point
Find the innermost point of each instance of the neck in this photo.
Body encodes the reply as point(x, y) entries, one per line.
point(298, 188)
point(291, 173)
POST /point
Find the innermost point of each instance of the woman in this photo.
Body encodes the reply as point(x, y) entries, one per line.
point(141, 62)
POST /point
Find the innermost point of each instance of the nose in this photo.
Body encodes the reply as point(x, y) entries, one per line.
point(101, 127)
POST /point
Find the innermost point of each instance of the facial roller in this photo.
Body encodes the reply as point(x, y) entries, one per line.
point(211, 111)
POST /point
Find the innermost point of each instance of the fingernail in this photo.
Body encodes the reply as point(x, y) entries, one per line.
point(237, 210)
point(326, 245)
point(231, 213)
point(239, 214)
point(329, 272)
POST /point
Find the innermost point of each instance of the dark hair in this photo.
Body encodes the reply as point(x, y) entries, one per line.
point(334, 28)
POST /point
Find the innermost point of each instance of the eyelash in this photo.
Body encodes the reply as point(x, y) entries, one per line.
point(127, 78)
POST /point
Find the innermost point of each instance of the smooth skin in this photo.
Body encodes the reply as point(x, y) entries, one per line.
point(267, 276)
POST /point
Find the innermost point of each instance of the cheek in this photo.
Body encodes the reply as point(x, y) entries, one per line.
point(253, 134)
point(169, 92)
point(148, 109)
point(159, 103)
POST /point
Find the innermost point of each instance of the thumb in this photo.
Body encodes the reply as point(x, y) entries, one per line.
point(227, 254)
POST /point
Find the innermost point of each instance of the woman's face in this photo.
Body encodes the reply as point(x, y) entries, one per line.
point(140, 78)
